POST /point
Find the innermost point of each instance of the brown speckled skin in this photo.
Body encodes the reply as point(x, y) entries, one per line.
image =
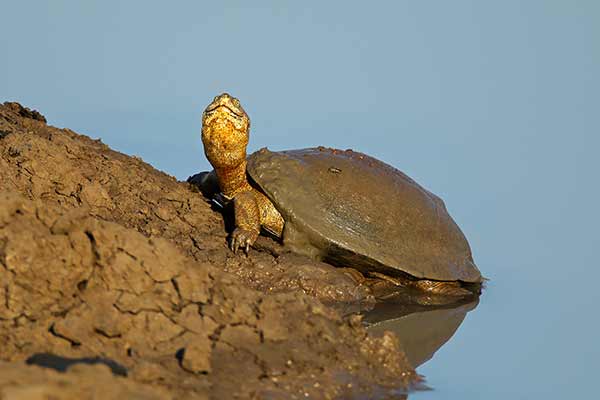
point(225, 134)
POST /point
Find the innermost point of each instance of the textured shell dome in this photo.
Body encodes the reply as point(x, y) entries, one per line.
point(350, 209)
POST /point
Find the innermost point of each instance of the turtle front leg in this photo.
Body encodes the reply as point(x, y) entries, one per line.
point(247, 222)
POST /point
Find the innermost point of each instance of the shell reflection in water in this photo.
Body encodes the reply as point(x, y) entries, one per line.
point(422, 330)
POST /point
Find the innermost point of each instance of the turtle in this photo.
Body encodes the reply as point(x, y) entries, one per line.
point(339, 206)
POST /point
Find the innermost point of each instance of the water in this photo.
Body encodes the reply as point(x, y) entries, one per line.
point(521, 342)
point(422, 331)
point(534, 337)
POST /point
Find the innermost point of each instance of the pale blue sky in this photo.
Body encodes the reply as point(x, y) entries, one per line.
point(494, 105)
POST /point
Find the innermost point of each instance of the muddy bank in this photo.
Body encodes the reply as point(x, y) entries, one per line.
point(61, 167)
point(103, 256)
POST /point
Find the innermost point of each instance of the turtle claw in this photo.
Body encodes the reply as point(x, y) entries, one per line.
point(242, 239)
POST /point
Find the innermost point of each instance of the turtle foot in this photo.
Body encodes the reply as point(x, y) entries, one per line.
point(443, 288)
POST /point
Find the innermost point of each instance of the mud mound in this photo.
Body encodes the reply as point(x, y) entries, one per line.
point(103, 256)
point(61, 167)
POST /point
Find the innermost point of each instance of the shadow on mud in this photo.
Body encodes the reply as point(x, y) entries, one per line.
point(62, 364)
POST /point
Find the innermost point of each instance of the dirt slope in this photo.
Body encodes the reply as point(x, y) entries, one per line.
point(103, 256)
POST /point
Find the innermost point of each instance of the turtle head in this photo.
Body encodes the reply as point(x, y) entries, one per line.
point(225, 132)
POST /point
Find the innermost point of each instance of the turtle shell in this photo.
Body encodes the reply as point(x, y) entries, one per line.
point(350, 209)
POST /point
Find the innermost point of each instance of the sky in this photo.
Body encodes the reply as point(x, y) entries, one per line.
point(493, 105)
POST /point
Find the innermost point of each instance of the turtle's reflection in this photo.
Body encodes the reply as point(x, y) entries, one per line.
point(422, 330)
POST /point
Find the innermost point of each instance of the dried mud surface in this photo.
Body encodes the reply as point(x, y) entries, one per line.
point(122, 275)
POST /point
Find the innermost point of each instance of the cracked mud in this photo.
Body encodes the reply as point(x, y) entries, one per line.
point(119, 277)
